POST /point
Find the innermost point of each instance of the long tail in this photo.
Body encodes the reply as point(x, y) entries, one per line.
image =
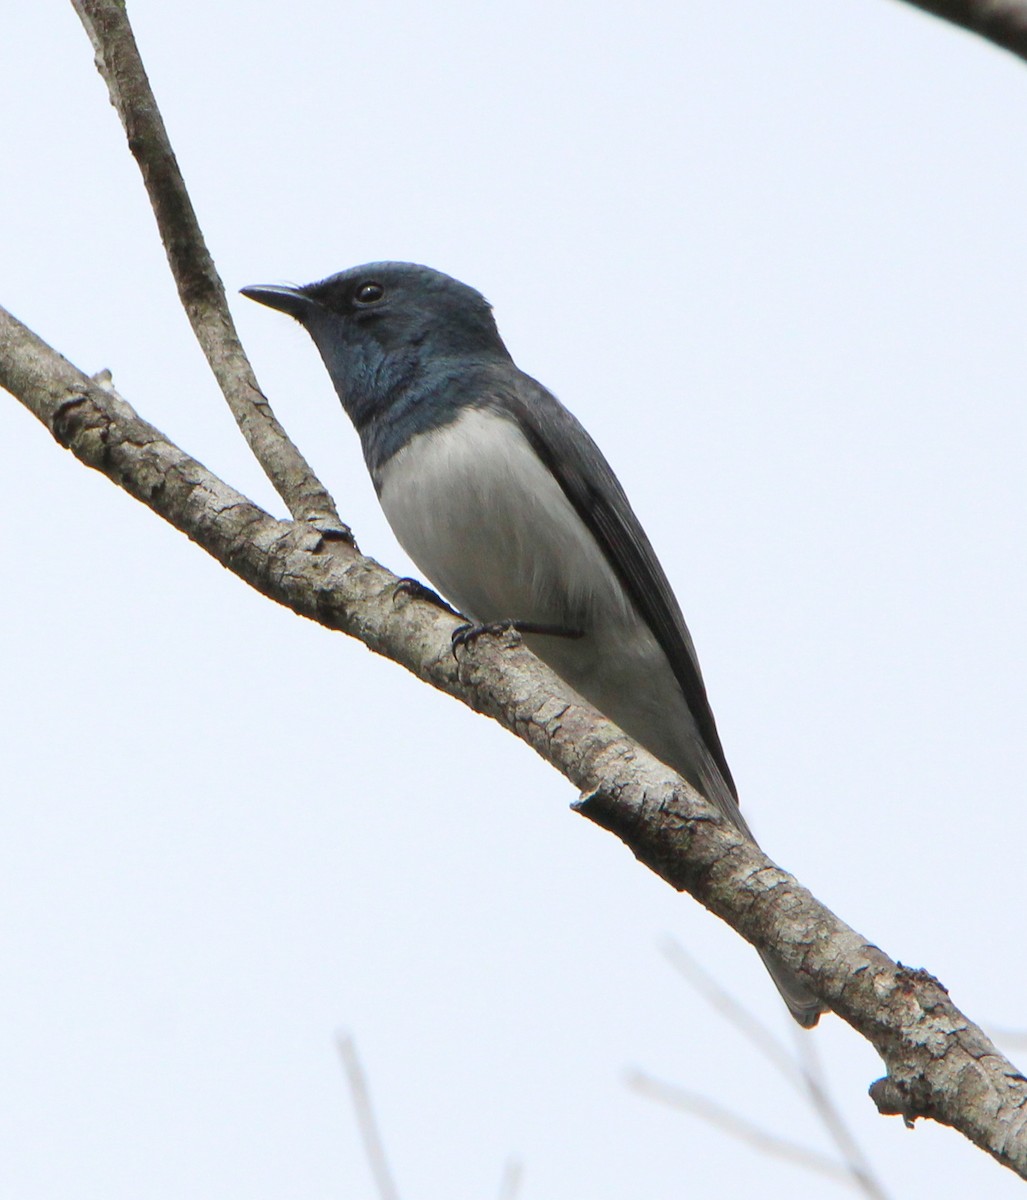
point(802, 1004)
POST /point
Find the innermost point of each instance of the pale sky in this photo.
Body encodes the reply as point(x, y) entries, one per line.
point(775, 259)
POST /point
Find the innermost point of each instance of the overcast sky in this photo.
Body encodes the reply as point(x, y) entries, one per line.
point(775, 258)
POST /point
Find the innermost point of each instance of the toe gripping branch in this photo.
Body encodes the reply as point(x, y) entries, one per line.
point(421, 591)
point(465, 634)
point(470, 631)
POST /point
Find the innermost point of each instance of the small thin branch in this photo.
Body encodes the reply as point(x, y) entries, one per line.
point(721, 1000)
point(805, 1075)
point(510, 1183)
point(199, 284)
point(856, 1162)
point(737, 1127)
point(373, 1145)
point(1003, 22)
point(940, 1065)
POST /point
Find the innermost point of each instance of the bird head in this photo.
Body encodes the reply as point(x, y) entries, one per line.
point(382, 326)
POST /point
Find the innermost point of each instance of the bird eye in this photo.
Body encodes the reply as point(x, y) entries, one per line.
point(369, 293)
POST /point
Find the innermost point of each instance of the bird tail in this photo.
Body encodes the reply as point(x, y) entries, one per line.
point(802, 1004)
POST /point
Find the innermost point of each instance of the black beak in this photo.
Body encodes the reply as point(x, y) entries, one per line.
point(286, 299)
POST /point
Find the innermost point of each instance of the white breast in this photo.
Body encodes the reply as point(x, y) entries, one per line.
point(484, 519)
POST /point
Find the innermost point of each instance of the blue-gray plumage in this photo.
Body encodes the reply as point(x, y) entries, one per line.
point(507, 505)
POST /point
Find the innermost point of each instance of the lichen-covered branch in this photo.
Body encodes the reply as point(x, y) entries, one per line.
point(199, 284)
point(1003, 22)
point(939, 1064)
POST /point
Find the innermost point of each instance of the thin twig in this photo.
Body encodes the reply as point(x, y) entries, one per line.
point(510, 1183)
point(856, 1162)
point(805, 1075)
point(737, 1127)
point(734, 1013)
point(373, 1145)
point(199, 284)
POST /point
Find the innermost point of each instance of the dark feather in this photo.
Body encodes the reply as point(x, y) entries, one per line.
point(590, 485)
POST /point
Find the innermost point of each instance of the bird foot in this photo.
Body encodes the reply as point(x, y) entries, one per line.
point(421, 591)
point(463, 635)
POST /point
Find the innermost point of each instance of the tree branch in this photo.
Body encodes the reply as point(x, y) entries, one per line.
point(199, 284)
point(803, 1074)
point(939, 1064)
point(374, 1147)
point(738, 1127)
point(1003, 22)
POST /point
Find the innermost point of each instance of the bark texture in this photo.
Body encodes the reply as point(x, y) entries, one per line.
point(199, 284)
point(939, 1064)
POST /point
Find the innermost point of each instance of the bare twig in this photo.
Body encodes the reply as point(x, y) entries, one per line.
point(737, 1127)
point(373, 1145)
point(803, 1074)
point(718, 998)
point(510, 1183)
point(940, 1065)
point(199, 284)
point(856, 1162)
point(1003, 22)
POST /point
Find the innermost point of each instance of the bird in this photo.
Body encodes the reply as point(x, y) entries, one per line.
point(511, 511)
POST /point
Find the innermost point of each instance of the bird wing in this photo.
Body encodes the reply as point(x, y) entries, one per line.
point(589, 483)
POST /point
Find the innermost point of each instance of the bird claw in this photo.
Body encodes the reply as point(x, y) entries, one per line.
point(420, 591)
point(464, 634)
point(469, 632)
